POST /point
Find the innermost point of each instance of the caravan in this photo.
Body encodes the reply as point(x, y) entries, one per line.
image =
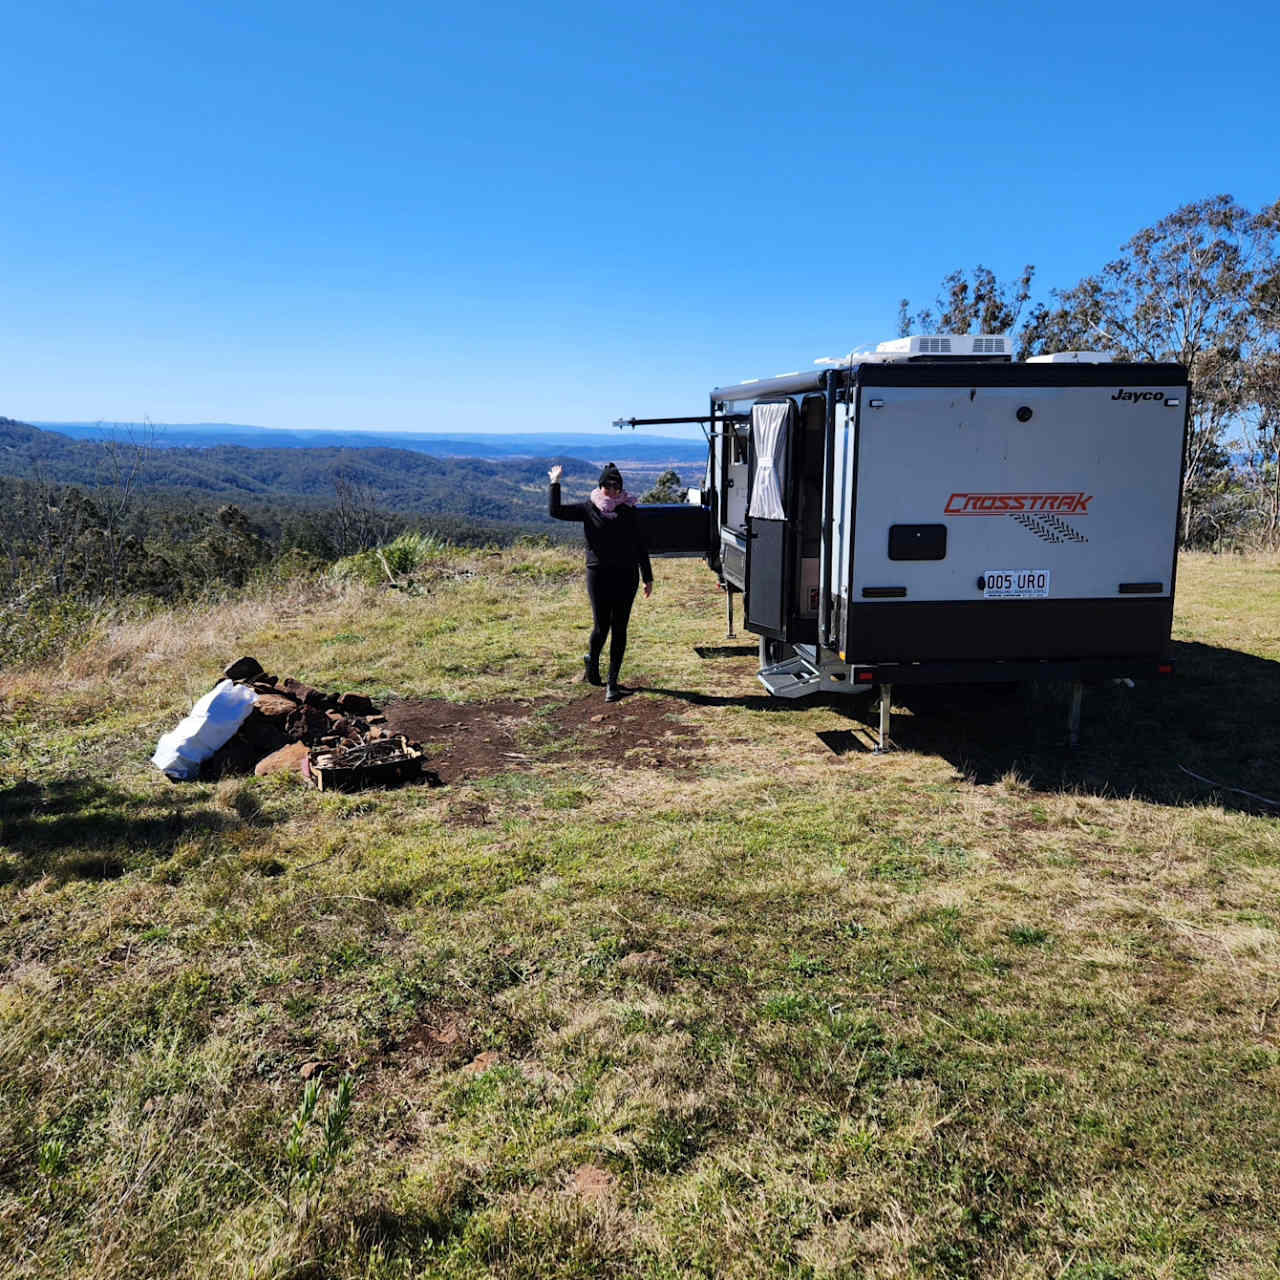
point(933, 511)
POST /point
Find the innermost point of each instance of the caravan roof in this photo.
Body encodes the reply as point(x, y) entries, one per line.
point(981, 347)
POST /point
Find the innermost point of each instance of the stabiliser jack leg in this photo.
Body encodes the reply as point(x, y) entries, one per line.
point(886, 696)
point(1073, 715)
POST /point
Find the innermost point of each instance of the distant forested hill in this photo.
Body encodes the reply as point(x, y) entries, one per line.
point(402, 480)
point(616, 446)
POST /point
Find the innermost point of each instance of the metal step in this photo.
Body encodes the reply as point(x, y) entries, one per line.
point(794, 678)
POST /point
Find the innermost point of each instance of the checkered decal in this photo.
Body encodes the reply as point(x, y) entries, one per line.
point(1049, 528)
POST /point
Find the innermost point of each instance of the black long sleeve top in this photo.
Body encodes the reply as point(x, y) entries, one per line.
point(615, 543)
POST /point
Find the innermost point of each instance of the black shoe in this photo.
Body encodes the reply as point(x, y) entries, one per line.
point(614, 692)
point(592, 673)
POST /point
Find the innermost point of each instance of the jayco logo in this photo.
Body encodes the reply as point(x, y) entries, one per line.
point(1134, 396)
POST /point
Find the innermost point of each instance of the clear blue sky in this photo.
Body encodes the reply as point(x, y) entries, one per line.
point(495, 217)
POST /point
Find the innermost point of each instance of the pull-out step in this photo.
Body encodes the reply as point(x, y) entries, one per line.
point(794, 678)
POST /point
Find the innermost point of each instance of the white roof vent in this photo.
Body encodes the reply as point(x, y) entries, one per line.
point(946, 344)
point(1072, 357)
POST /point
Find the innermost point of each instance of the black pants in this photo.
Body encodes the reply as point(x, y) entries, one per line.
point(612, 591)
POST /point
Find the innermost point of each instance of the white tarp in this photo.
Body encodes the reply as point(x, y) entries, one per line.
point(212, 721)
point(769, 431)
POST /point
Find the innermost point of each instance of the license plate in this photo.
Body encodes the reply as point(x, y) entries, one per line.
point(1016, 584)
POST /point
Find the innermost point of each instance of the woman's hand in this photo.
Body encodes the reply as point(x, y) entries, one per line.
point(648, 590)
point(555, 473)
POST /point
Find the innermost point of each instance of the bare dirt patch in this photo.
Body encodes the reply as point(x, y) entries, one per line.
point(444, 1040)
point(591, 1183)
point(462, 739)
point(473, 740)
point(640, 732)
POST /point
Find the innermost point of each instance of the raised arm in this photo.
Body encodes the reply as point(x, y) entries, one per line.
point(556, 509)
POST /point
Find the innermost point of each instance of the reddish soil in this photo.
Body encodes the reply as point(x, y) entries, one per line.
point(445, 1042)
point(462, 739)
point(642, 731)
point(592, 1182)
point(472, 740)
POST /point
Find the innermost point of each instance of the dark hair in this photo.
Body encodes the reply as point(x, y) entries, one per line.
point(610, 475)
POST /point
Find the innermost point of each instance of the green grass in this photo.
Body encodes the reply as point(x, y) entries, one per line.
point(979, 1007)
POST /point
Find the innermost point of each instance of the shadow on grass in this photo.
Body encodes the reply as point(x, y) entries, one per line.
point(710, 651)
point(751, 701)
point(83, 828)
point(1218, 716)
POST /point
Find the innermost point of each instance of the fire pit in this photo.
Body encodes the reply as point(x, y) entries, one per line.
point(353, 765)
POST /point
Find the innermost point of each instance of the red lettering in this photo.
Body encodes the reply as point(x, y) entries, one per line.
point(992, 504)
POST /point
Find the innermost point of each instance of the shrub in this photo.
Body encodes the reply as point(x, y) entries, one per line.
point(35, 623)
point(403, 556)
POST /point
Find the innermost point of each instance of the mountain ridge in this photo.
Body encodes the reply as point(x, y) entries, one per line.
point(511, 489)
point(617, 446)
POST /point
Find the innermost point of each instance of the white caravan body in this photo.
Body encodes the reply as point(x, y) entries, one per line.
point(934, 511)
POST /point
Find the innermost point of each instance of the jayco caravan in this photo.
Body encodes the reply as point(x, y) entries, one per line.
point(933, 511)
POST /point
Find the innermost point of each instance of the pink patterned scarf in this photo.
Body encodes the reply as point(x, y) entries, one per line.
point(608, 505)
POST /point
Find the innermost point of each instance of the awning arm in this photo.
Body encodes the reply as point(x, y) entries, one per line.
point(633, 423)
point(654, 422)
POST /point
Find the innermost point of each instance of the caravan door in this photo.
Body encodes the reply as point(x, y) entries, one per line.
point(768, 539)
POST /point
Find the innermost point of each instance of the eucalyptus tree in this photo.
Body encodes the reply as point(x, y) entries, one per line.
point(973, 303)
point(1189, 288)
point(1262, 383)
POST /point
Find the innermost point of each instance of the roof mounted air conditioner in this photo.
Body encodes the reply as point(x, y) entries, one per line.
point(966, 346)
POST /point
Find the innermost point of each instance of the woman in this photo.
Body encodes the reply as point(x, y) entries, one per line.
point(616, 561)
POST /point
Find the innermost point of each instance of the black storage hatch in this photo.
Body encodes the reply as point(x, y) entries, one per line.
point(917, 542)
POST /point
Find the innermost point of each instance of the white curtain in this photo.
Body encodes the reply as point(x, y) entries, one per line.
point(769, 431)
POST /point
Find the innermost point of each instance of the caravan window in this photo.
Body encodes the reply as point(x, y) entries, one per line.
point(769, 432)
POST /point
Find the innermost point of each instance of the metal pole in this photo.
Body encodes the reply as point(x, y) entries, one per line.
point(886, 695)
point(1073, 716)
point(728, 600)
point(654, 422)
point(831, 381)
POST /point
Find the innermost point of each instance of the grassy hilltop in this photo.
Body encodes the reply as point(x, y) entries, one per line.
point(693, 985)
